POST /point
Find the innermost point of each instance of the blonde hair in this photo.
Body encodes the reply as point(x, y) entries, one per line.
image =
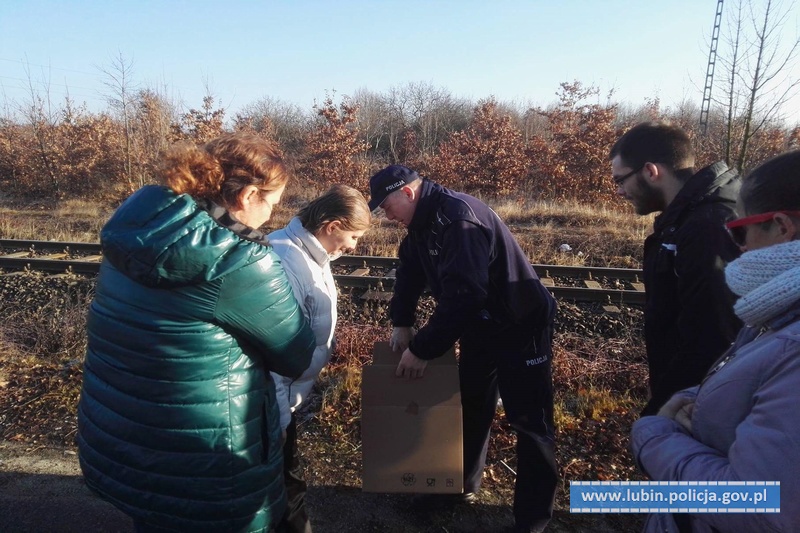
point(340, 203)
point(221, 168)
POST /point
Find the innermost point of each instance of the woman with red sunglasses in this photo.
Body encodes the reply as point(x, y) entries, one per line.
point(742, 423)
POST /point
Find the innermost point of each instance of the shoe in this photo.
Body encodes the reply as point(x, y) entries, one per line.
point(430, 502)
point(466, 497)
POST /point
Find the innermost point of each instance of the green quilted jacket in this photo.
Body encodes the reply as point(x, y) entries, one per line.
point(178, 424)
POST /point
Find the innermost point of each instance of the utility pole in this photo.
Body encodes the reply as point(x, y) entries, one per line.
point(712, 59)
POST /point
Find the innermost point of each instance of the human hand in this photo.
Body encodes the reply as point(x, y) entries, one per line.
point(684, 416)
point(410, 366)
point(401, 338)
point(679, 408)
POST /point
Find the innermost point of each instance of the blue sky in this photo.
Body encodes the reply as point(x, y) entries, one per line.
point(517, 51)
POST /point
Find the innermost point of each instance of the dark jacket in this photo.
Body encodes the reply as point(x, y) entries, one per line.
point(474, 267)
point(178, 424)
point(689, 318)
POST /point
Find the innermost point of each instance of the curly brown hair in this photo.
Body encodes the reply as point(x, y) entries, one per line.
point(221, 168)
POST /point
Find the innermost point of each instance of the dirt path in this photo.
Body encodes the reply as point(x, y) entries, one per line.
point(41, 490)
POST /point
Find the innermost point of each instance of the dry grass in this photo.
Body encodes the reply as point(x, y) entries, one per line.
point(70, 220)
point(597, 236)
point(570, 213)
point(591, 403)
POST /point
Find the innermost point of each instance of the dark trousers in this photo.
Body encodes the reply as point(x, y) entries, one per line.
point(514, 361)
point(295, 520)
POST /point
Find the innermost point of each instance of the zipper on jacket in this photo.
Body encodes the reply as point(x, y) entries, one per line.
point(732, 351)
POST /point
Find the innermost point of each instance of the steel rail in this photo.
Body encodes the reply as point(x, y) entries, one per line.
point(362, 261)
point(580, 294)
point(50, 265)
point(80, 247)
point(376, 283)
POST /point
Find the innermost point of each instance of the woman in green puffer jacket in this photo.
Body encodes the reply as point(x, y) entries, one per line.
point(178, 422)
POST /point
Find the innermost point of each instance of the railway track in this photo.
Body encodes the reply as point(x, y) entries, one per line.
point(610, 286)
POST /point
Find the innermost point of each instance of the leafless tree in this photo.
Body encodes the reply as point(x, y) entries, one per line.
point(118, 79)
point(397, 113)
point(372, 119)
point(435, 114)
point(420, 111)
point(756, 72)
point(287, 123)
point(42, 119)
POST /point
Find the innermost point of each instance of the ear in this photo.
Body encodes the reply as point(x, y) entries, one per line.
point(409, 192)
point(788, 228)
point(248, 195)
point(653, 172)
point(330, 227)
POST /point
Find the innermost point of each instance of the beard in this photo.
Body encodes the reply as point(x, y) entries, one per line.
point(647, 199)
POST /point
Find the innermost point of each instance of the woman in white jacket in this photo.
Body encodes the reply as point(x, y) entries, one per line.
point(321, 232)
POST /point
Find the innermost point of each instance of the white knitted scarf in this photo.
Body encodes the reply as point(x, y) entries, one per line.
point(768, 281)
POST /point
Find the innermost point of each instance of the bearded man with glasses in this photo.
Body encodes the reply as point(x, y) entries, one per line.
point(689, 318)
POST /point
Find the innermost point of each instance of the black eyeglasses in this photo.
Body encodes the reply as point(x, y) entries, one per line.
point(738, 228)
point(619, 180)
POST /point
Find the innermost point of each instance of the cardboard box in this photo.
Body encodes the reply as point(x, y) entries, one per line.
point(411, 429)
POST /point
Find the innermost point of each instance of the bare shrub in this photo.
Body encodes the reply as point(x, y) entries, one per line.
point(581, 362)
point(55, 332)
point(354, 343)
point(42, 344)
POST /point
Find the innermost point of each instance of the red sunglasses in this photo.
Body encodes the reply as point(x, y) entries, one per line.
point(737, 230)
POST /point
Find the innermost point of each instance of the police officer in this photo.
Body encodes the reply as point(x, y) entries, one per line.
point(489, 298)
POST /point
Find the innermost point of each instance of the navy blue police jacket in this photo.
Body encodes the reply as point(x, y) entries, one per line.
point(475, 269)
